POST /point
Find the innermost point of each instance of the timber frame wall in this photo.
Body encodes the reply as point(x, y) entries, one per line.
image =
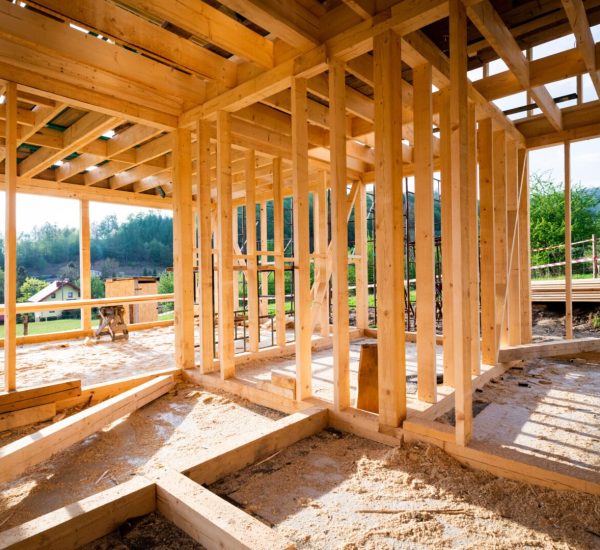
point(270, 104)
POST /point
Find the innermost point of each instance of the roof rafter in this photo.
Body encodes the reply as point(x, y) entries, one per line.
point(491, 26)
point(583, 35)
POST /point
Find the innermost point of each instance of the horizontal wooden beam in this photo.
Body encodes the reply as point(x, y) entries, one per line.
point(210, 520)
point(549, 349)
point(84, 521)
point(39, 395)
point(18, 456)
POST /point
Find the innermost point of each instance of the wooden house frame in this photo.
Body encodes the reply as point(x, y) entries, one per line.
point(218, 105)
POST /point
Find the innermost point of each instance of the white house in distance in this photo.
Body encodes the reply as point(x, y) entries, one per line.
point(57, 291)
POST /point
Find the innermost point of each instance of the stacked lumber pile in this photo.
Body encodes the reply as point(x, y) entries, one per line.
point(584, 290)
point(35, 404)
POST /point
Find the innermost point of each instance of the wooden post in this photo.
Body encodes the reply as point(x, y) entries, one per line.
point(513, 319)
point(85, 266)
point(361, 265)
point(10, 241)
point(489, 346)
point(264, 242)
point(568, 254)
point(278, 247)
point(389, 228)
point(303, 324)
point(251, 265)
point(460, 222)
point(446, 211)
point(183, 247)
point(205, 271)
point(225, 245)
point(524, 250)
point(501, 257)
point(471, 214)
point(339, 224)
point(424, 234)
point(321, 246)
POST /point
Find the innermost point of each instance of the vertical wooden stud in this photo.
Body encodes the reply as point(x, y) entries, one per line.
point(489, 346)
point(278, 248)
point(10, 241)
point(460, 223)
point(183, 246)
point(321, 246)
point(568, 252)
point(85, 265)
point(225, 245)
point(339, 224)
point(389, 228)
point(513, 319)
point(361, 268)
point(471, 214)
point(524, 250)
point(251, 265)
point(424, 234)
point(446, 211)
point(205, 269)
point(303, 325)
point(264, 242)
point(501, 256)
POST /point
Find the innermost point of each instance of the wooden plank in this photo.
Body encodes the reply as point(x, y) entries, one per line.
point(513, 303)
point(214, 26)
point(321, 239)
point(473, 245)
point(210, 520)
point(525, 250)
point(84, 521)
point(339, 230)
point(10, 240)
point(459, 149)
point(206, 328)
point(278, 233)
point(182, 249)
point(501, 233)
point(264, 245)
point(251, 265)
point(38, 395)
point(241, 451)
point(368, 379)
point(568, 251)
point(447, 239)
point(139, 34)
point(578, 19)
point(303, 321)
point(361, 263)
point(17, 457)
point(555, 348)
point(424, 234)
point(96, 393)
point(389, 229)
point(24, 417)
point(85, 264)
point(225, 245)
point(489, 346)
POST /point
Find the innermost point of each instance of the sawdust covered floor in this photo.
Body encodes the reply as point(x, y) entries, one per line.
point(169, 431)
point(546, 412)
point(335, 491)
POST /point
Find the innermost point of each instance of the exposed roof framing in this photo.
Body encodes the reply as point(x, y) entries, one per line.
point(585, 42)
point(495, 31)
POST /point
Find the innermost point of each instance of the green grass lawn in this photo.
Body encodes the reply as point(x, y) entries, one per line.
point(166, 315)
point(44, 327)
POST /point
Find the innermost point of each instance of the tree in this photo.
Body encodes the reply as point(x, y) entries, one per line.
point(165, 286)
point(1, 286)
point(548, 215)
point(21, 276)
point(108, 268)
point(69, 272)
point(97, 285)
point(31, 286)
